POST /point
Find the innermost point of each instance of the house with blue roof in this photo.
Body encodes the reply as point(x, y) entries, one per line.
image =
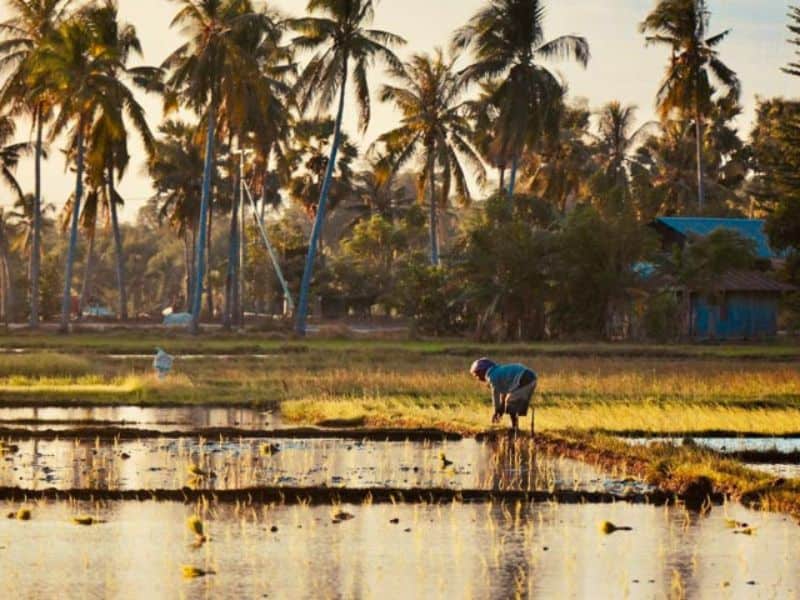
point(749, 301)
point(679, 230)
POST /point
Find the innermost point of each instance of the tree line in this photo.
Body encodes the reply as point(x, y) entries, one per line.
point(497, 203)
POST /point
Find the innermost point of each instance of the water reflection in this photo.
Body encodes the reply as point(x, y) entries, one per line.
point(455, 551)
point(160, 419)
point(236, 464)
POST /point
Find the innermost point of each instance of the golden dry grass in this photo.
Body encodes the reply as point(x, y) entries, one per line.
point(387, 387)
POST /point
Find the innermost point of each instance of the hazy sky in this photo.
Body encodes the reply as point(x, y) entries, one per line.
point(621, 66)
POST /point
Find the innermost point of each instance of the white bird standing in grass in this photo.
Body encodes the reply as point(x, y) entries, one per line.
point(162, 363)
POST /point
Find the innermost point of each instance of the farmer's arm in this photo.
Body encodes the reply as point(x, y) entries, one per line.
point(499, 408)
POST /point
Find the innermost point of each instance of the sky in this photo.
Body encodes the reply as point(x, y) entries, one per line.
point(621, 68)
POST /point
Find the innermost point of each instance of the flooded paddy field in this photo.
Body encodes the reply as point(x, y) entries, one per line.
point(778, 456)
point(170, 464)
point(454, 550)
point(180, 418)
point(783, 445)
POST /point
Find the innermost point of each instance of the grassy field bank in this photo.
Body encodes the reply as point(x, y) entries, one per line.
point(409, 385)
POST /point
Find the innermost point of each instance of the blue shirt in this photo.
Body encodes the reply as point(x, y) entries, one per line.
point(505, 378)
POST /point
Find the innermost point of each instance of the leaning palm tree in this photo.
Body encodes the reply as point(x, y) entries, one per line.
point(508, 43)
point(197, 71)
point(345, 41)
point(32, 22)
point(687, 88)
point(434, 126)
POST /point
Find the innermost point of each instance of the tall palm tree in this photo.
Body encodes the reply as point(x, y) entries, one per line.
point(484, 113)
point(687, 87)
point(32, 22)
point(613, 148)
point(197, 73)
point(10, 154)
point(107, 144)
point(342, 38)
point(253, 113)
point(794, 27)
point(435, 127)
point(176, 168)
point(508, 43)
point(77, 70)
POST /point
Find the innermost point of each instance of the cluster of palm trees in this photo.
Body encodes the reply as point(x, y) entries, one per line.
point(261, 86)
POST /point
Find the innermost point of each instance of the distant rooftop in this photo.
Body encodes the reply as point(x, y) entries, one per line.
point(750, 228)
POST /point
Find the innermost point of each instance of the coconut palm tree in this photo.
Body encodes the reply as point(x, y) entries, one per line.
point(613, 149)
point(484, 113)
point(176, 168)
point(77, 70)
point(687, 87)
point(32, 22)
point(508, 43)
point(253, 112)
point(435, 128)
point(197, 73)
point(343, 42)
point(10, 154)
point(794, 28)
point(107, 145)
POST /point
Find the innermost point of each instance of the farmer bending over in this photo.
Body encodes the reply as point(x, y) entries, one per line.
point(512, 387)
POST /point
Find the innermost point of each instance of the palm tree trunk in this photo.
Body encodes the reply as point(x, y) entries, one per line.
point(87, 273)
point(233, 255)
point(699, 133)
point(189, 266)
point(204, 206)
point(240, 289)
point(502, 171)
point(209, 244)
point(123, 295)
point(302, 306)
point(6, 288)
point(434, 238)
point(66, 301)
point(36, 251)
point(513, 183)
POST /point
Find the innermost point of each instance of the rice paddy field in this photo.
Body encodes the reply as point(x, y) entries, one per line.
point(370, 468)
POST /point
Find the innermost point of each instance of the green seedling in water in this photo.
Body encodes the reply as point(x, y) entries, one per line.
point(746, 531)
point(86, 520)
point(193, 469)
point(190, 572)
point(196, 526)
point(608, 527)
point(269, 449)
point(23, 514)
point(734, 524)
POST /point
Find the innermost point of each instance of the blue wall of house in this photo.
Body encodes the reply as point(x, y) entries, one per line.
point(742, 315)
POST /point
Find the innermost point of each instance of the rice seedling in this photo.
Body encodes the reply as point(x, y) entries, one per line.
point(192, 572)
point(86, 520)
point(608, 527)
point(195, 525)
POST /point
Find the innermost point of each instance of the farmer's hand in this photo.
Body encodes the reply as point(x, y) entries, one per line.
point(496, 418)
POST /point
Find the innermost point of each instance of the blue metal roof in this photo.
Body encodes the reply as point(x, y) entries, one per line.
point(750, 228)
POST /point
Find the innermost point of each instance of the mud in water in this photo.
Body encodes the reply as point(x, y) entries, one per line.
point(246, 463)
point(402, 551)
